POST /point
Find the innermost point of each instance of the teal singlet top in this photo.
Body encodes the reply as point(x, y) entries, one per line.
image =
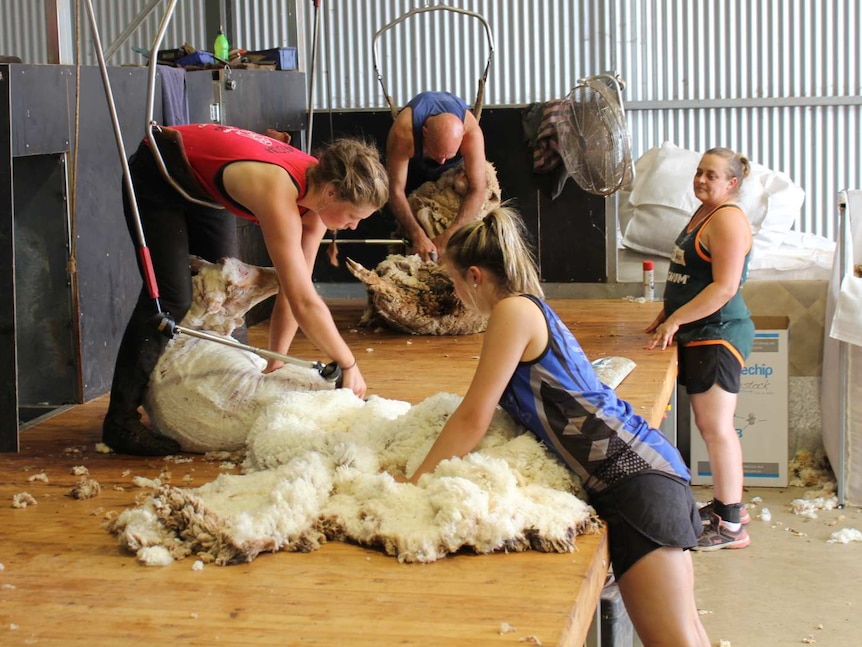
point(689, 273)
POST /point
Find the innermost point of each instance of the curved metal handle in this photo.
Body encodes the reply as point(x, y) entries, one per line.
point(477, 109)
point(151, 98)
point(163, 169)
point(612, 79)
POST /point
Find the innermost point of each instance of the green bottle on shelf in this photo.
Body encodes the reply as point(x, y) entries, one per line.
point(221, 48)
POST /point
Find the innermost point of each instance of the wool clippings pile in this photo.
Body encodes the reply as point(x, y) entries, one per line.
point(318, 469)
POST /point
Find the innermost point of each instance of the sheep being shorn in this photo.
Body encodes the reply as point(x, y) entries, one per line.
point(318, 468)
point(206, 395)
point(436, 204)
point(414, 296)
point(318, 463)
point(417, 297)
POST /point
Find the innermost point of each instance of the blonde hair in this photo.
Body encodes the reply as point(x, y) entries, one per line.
point(354, 168)
point(497, 243)
point(738, 165)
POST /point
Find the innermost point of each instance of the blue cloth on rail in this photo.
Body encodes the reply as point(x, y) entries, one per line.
point(175, 103)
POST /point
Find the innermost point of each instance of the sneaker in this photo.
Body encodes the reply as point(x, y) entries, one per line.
point(717, 536)
point(133, 437)
point(707, 511)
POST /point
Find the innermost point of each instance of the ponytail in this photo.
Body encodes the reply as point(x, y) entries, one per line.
point(498, 243)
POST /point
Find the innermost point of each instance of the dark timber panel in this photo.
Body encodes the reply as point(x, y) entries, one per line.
point(46, 338)
point(568, 230)
point(8, 355)
point(37, 118)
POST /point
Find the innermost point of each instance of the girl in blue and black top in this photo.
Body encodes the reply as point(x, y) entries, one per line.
point(534, 368)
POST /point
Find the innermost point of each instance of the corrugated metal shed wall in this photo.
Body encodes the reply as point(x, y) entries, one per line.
point(19, 20)
point(540, 50)
point(264, 24)
point(23, 28)
point(187, 25)
point(779, 80)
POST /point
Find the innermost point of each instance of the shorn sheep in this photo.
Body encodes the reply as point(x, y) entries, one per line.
point(206, 395)
point(417, 297)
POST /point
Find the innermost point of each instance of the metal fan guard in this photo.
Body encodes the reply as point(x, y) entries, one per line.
point(593, 137)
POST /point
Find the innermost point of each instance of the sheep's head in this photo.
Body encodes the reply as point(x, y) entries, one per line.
point(223, 292)
point(460, 183)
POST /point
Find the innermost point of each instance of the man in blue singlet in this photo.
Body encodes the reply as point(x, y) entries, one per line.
point(433, 133)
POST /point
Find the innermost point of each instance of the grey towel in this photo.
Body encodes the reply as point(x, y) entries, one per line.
point(175, 104)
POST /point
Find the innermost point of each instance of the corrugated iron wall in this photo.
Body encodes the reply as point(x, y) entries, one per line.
point(264, 24)
point(540, 49)
point(779, 80)
point(23, 30)
point(187, 25)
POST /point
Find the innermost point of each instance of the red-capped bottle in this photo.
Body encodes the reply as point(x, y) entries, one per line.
point(649, 281)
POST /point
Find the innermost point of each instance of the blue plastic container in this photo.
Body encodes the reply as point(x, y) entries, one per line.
point(283, 57)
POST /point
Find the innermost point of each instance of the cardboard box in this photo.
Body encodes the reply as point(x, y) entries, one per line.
point(761, 411)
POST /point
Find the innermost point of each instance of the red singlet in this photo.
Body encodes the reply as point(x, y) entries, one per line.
point(211, 147)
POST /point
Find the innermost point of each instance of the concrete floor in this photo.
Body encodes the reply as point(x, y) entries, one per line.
point(790, 586)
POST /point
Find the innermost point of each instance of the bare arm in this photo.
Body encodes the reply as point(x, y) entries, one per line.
point(283, 325)
point(515, 330)
point(399, 150)
point(268, 192)
point(728, 238)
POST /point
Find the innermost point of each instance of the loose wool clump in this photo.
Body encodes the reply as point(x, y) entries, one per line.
point(319, 468)
point(23, 499)
point(86, 488)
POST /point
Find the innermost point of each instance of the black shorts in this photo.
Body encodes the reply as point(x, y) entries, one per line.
point(702, 366)
point(645, 512)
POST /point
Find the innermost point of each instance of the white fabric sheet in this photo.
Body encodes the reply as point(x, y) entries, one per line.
point(662, 201)
point(847, 321)
point(843, 310)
